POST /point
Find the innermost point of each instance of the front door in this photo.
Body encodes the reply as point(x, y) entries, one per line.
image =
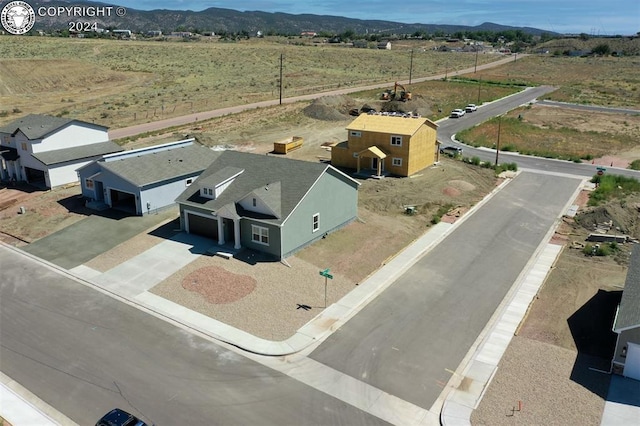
point(374, 163)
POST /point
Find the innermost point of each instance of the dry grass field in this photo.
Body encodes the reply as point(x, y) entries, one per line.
point(118, 83)
point(606, 81)
point(564, 133)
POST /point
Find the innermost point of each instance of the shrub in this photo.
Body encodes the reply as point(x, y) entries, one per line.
point(635, 165)
point(475, 161)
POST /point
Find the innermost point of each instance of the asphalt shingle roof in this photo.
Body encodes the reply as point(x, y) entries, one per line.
point(153, 167)
point(77, 153)
point(37, 126)
point(629, 311)
point(295, 178)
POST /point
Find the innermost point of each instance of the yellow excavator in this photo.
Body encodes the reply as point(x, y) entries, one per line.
point(392, 95)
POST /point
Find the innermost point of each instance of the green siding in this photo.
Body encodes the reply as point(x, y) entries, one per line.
point(334, 197)
point(274, 237)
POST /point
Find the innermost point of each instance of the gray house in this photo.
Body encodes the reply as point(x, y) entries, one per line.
point(144, 180)
point(266, 203)
point(626, 358)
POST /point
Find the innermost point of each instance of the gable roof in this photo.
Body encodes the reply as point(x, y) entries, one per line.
point(295, 178)
point(628, 315)
point(157, 164)
point(37, 126)
point(389, 124)
point(77, 153)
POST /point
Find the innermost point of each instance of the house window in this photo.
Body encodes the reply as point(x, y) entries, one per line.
point(316, 222)
point(260, 235)
point(89, 183)
point(396, 140)
point(24, 146)
point(355, 155)
point(254, 202)
point(355, 133)
point(396, 162)
point(189, 182)
point(210, 191)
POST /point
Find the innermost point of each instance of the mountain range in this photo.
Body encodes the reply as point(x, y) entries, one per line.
point(232, 21)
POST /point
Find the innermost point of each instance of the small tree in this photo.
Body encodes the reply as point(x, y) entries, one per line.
point(602, 49)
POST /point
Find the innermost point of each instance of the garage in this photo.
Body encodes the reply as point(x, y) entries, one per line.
point(200, 225)
point(35, 176)
point(123, 201)
point(632, 363)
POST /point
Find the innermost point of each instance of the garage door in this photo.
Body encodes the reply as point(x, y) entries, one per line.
point(202, 226)
point(632, 363)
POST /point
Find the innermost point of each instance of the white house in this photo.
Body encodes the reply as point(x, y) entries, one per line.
point(46, 151)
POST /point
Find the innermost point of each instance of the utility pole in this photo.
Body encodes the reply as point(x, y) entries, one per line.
point(411, 66)
point(281, 58)
point(479, 85)
point(475, 67)
point(498, 144)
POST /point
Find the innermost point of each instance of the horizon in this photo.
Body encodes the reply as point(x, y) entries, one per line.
point(611, 18)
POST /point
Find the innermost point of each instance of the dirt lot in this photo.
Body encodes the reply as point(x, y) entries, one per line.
point(563, 133)
point(566, 335)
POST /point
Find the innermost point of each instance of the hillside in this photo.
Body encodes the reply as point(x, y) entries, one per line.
point(227, 20)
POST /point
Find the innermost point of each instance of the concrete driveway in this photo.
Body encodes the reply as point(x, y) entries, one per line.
point(86, 239)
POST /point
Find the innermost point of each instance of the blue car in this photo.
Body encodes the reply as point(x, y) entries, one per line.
point(118, 417)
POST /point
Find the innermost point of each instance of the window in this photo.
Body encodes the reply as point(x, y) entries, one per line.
point(254, 202)
point(189, 182)
point(355, 133)
point(24, 146)
point(260, 235)
point(89, 183)
point(396, 140)
point(355, 155)
point(316, 222)
point(210, 191)
point(396, 162)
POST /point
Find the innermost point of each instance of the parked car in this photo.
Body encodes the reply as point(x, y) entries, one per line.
point(457, 113)
point(471, 108)
point(118, 417)
point(451, 150)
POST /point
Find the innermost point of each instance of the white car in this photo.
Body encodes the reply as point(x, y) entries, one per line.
point(457, 113)
point(471, 108)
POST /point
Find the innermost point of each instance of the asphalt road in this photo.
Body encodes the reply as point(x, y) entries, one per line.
point(411, 337)
point(449, 127)
point(85, 353)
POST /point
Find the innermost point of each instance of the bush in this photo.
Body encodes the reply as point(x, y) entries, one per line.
point(635, 165)
point(475, 161)
point(612, 186)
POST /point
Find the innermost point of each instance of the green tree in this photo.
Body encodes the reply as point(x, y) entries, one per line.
point(602, 49)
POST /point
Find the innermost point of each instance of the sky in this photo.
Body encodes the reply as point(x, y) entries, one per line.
point(594, 17)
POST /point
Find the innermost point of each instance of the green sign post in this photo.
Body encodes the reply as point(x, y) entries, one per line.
point(326, 276)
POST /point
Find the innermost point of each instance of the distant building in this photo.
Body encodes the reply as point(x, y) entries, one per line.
point(308, 34)
point(122, 33)
point(385, 45)
point(156, 33)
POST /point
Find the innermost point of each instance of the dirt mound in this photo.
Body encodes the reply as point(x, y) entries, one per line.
point(462, 185)
point(616, 217)
point(450, 191)
point(416, 106)
point(330, 108)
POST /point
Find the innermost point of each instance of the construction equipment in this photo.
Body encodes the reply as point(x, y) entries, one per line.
point(392, 95)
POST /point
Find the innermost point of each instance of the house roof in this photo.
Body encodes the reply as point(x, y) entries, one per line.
point(389, 124)
point(64, 155)
point(146, 167)
point(288, 182)
point(37, 126)
point(629, 312)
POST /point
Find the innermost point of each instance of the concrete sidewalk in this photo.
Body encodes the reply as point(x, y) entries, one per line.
point(132, 280)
